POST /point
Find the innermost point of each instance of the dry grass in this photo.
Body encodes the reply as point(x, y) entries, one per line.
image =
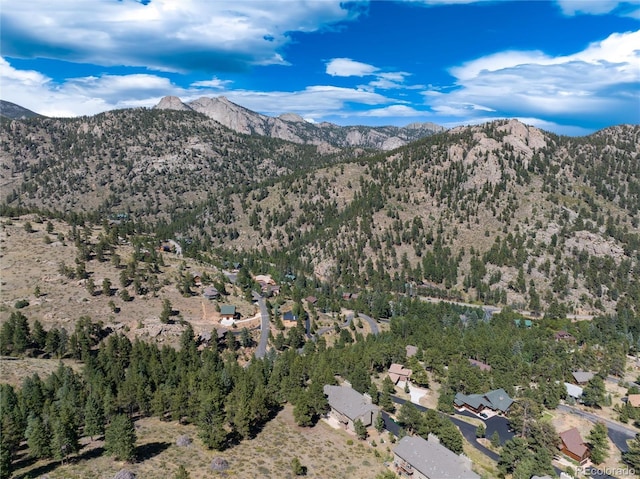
point(28, 260)
point(327, 453)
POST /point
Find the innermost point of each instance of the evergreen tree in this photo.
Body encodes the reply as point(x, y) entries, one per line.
point(360, 429)
point(599, 443)
point(594, 392)
point(120, 438)
point(379, 423)
point(297, 468)
point(93, 417)
point(39, 437)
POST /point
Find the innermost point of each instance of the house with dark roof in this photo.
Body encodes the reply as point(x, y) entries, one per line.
point(497, 400)
point(418, 458)
point(348, 405)
point(311, 299)
point(397, 373)
point(572, 445)
point(289, 316)
point(479, 364)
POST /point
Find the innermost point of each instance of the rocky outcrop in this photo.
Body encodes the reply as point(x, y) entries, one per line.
point(294, 128)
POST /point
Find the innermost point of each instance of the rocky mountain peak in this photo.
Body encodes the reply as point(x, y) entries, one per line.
point(171, 103)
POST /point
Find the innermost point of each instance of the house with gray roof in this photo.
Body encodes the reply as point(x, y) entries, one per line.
point(497, 400)
point(582, 377)
point(348, 405)
point(417, 458)
point(573, 391)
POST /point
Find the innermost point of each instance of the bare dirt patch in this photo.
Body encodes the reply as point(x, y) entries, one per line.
point(327, 453)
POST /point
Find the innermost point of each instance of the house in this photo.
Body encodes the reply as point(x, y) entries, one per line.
point(264, 279)
point(572, 445)
point(289, 316)
point(411, 351)
point(497, 400)
point(582, 377)
point(348, 405)
point(210, 292)
point(397, 373)
point(197, 278)
point(633, 400)
point(418, 458)
point(573, 391)
point(311, 299)
point(564, 336)
point(227, 312)
point(480, 365)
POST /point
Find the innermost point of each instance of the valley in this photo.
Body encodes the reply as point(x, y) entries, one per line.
point(176, 276)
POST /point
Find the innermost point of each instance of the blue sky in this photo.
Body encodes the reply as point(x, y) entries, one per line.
point(568, 66)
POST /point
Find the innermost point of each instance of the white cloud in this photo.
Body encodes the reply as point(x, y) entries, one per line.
point(95, 94)
point(599, 7)
point(601, 79)
point(345, 67)
point(213, 83)
point(166, 35)
point(392, 111)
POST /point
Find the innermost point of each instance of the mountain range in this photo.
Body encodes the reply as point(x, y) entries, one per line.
point(15, 112)
point(294, 128)
point(503, 213)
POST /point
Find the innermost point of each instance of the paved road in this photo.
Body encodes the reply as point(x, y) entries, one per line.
point(346, 324)
point(261, 350)
point(372, 323)
point(618, 433)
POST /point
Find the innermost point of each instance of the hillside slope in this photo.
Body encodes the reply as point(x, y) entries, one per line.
point(503, 213)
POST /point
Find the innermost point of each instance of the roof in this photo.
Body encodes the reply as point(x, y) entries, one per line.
point(226, 310)
point(411, 350)
point(573, 390)
point(563, 335)
point(210, 291)
point(289, 316)
point(398, 372)
point(432, 459)
point(311, 299)
point(634, 400)
point(479, 364)
point(573, 442)
point(348, 401)
point(582, 376)
point(498, 400)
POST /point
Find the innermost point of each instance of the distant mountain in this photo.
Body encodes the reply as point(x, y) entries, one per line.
point(502, 213)
point(15, 112)
point(292, 127)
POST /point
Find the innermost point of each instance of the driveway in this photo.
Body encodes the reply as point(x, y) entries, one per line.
point(493, 424)
point(261, 350)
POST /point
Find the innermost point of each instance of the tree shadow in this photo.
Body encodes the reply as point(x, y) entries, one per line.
point(147, 451)
point(54, 464)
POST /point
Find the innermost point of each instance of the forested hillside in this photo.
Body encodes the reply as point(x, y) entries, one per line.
point(502, 213)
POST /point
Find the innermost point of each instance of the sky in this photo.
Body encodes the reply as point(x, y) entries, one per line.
point(567, 66)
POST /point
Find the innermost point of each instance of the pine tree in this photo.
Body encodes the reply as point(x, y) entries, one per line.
point(599, 444)
point(182, 473)
point(360, 429)
point(93, 417)
point(39, 437)
point(120, 438)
